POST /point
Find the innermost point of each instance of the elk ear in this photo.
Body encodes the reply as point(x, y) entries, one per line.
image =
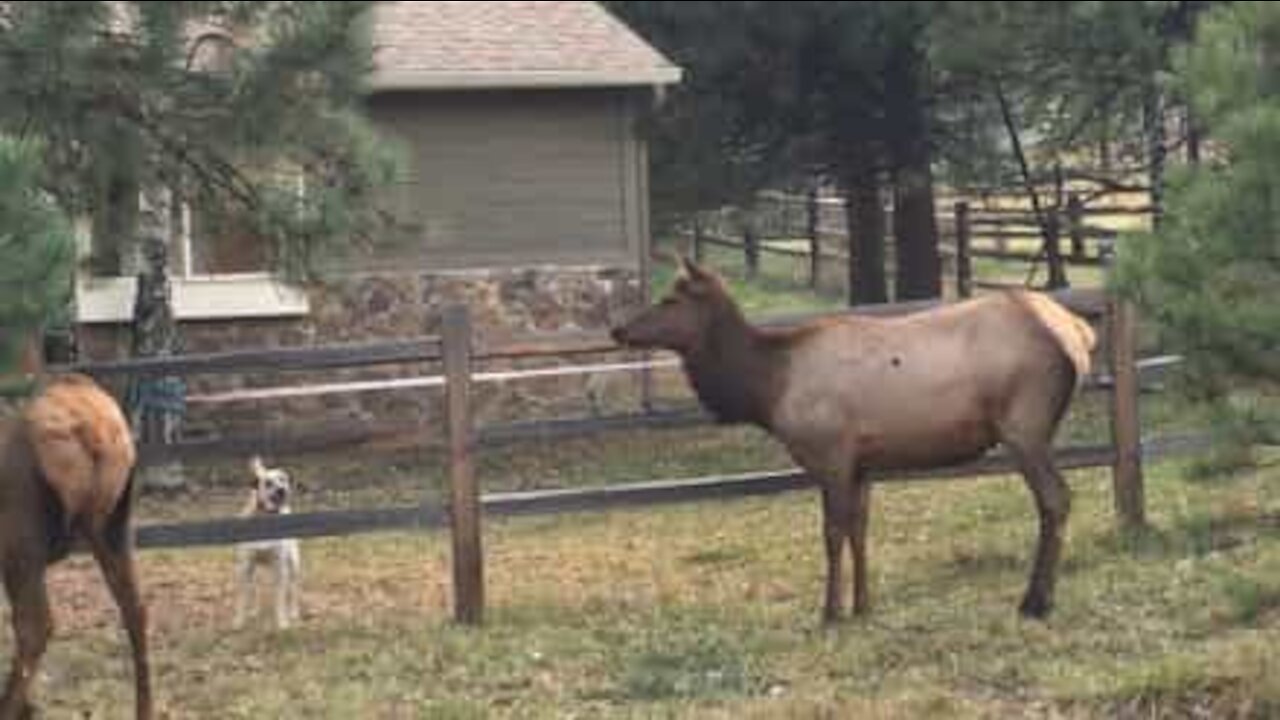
point(691, 269)
point(682, 267)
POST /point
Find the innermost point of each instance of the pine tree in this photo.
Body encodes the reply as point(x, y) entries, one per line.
point(1209, 276)
point(779, 92)
point(37, 246)
point(231, 105)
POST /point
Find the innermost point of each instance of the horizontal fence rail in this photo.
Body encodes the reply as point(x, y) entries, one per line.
point(331, 523)
point(301, 358)
point(423, 381)
point(630, 495)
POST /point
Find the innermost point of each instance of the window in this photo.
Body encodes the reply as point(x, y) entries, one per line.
point(218, 269)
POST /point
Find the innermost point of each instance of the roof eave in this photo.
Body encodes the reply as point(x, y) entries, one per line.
point(387, 80)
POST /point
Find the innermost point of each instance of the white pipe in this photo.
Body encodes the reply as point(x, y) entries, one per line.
point(272, 393)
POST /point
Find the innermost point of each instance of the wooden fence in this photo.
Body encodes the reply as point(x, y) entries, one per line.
point(466, 507)
point(990, 233)
point(966, 231)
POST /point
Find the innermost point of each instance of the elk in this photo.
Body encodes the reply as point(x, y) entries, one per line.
point(66, 475)
point(853, 394)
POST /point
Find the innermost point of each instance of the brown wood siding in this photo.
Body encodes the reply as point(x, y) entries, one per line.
point(503, 179)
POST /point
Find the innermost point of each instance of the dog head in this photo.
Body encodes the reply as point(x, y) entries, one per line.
point(272, 487)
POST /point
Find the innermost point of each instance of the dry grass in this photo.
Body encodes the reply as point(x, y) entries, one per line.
point(711, 611)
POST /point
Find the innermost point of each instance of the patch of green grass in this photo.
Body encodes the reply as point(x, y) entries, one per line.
point(1249, 597)
point(1016, 271)
point(1235, 679)
point(692, 662)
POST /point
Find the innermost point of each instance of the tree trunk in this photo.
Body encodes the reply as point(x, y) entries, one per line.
point(155, 401)
point(812, 210)
point(919, 268)
point(31, 354)
point(864, 216)
point(915, 229)
point(1194, 137)
point(1153, 121)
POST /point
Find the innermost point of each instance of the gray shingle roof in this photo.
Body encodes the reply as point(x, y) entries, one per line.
point(561, 43)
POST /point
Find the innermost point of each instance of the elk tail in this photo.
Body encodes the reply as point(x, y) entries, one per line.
point(1074, 336)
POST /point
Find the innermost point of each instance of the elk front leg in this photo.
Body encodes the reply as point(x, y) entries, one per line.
point(835, 511)
point(859, 508)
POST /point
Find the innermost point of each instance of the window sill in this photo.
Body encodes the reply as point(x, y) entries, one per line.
point(110, 300)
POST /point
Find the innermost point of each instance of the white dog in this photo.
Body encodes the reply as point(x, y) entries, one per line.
point(272, 488)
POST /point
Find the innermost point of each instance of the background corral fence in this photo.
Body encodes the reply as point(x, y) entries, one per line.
point(811, 230)
point(466, 506)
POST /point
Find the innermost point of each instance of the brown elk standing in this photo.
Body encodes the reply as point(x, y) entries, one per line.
point(66, 467)
point(853, 394)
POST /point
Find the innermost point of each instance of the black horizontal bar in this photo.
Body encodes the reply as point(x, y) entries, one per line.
point(422, 349)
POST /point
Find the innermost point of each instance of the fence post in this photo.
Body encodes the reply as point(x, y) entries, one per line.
point(1053, 251)
point(751, 250)
point(964, 262)
point(1075, 225)
point(464, 498)
point(1126, 430)
point(815, 252)
point(698, 231)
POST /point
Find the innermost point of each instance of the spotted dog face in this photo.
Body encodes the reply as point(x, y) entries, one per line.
point(272, 487)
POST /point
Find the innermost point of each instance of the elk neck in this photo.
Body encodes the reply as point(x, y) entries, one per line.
point(737, 371)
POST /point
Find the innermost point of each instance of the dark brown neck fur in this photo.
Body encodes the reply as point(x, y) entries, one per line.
point(737, 371)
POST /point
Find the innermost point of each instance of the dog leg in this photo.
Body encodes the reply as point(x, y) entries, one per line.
point(283, 576)
point(246, 596)
point(295, 582)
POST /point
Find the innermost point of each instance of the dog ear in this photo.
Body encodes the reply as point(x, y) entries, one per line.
point(257, 469)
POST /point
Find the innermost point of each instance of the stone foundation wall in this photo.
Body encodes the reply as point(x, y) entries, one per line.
point(386, 306)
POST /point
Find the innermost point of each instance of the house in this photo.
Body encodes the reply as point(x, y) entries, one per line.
point(527, 198)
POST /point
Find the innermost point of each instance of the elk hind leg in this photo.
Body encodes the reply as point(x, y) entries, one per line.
point(32, 627)
point(1053, 503)
point(117, 564)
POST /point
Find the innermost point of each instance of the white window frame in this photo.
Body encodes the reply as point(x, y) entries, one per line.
point(196, 296)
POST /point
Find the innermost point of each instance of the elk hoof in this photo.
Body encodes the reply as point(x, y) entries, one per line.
point(1035, 608)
